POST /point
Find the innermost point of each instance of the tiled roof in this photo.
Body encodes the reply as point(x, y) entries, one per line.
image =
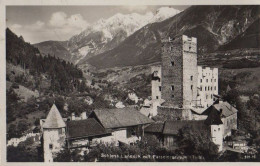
point(226, 108)
point(154, 128)
point(54, 119)
point(123, 117)
point(173, 127)
point(84, 128)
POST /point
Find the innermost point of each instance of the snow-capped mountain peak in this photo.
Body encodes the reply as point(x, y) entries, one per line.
point(105, 34)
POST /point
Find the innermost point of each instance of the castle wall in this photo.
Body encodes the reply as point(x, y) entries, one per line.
point(190, 74)
point(207, 85)
point(170, 113)
point(156, 82)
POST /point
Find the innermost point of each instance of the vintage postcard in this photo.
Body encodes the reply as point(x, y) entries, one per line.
point(111, 81)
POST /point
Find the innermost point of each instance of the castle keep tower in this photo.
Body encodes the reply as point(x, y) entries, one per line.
point(179, 72)
point(53, 134)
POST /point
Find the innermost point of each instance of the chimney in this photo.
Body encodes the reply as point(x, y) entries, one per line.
point(83, 115)
point(72, 116)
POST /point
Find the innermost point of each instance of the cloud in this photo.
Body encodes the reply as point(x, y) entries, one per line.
point(58, 19)
point(38, 25)
point(16, 26)
point(59, 26)
point(77, 21)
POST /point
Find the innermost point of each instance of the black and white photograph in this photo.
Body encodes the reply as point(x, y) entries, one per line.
point(132, 83)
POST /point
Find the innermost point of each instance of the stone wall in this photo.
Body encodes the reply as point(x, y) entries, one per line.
point(179, 72)
point(172, 73)
point(190, 74)
point(171, 113)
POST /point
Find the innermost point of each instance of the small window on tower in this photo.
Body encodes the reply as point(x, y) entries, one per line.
point(160, 88)
point(200, 80)
point(172, 88)
point(50, 146)
point(191, 87)
point(157, 97)
point(200, 88)
point(172, 63)
point(191, 78)
point(207, 80)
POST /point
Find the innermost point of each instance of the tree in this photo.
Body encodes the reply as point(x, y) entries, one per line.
point(193, 141)
point(22, 126)
point(67, 155)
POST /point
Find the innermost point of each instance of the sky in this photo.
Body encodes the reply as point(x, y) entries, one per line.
point(43, 23)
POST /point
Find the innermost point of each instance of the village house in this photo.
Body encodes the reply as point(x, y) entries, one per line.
point(116, 126)
point(126, 125)
point(167, 132)
point(228, 115)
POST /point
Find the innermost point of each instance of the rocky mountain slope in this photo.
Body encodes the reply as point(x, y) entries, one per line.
point(103, 35)
point(214, 26)
point(250, 38)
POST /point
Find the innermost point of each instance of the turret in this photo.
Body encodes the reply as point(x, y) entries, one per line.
point(53, 134)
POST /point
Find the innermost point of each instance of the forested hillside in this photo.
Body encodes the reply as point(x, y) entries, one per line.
point(64, 76)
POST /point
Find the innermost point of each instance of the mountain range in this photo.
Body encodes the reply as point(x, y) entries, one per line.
point(127, 40)
point(103, 35)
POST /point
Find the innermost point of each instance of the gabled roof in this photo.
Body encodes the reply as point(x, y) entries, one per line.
point(54, 119)
point(84, 128)
point(223, 107)
point(173, 127)
point(213, 118)
point(123, 117)
point(154, 128)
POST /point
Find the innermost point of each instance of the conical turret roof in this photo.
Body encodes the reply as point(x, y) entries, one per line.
point(54, 119)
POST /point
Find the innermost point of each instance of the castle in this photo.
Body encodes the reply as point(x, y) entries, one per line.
point(183, 92)
point(179, 81)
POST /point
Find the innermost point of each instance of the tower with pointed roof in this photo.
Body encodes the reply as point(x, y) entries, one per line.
point(53, 134)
